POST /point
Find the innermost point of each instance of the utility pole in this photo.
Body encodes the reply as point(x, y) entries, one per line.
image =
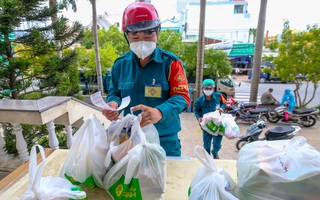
point(200, 56)
point(257, 58)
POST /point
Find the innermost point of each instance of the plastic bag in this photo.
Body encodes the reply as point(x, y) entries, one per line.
point(121, 141)
point(286, 116)
point(84, 162)
point(286, 169)
point(48, 188)
point(141, 173)
point(211, 122)
point(209, 182)
point(231, 129)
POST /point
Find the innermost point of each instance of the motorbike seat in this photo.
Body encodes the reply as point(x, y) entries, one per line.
point(279, 132)
point(249, 104)
point(303, 110)
point(259, 110)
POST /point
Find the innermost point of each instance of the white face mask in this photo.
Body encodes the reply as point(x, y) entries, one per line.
point(143, 49)
point(208, 92)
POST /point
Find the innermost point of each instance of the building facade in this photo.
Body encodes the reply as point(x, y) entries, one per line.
point(225, 20)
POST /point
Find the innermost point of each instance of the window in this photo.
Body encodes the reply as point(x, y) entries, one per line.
point(238, 9)
point(227, 82)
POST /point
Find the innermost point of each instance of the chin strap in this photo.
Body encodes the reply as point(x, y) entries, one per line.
point(126, 37)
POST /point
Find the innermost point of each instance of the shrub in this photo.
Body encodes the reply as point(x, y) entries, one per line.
point(33, 134)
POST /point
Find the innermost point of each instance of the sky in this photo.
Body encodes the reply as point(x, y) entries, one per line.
point(299, 13)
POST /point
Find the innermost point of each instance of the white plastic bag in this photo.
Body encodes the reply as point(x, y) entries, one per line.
point(141, 174)
point(121, 141)
point(48, 188)
point(118, 134)
point(84, 162)
point(231, 129)
point(285, 169)
point(209, 182)
point(211, 122)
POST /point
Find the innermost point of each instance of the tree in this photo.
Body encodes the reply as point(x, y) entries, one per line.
point(114, 37)
point(87, 64)
point(257, 58)
point(54, 18)
point(111, 36)
point(299, 56)
point(189, 58)
point(216, 63)
point(253, 34)
point(171, 41)
point(29, 67)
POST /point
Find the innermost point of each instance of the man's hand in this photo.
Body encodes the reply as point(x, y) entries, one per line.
point(149, 115)
point(220, 110)
point(111, 115)
point(199, 120)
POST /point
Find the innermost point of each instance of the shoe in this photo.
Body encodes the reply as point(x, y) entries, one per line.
point(216, 156)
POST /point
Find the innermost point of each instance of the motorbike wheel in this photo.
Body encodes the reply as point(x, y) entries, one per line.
point(236, 116)
point(264, 117)
point(273, 117)
point(241, 143)
point(308, 121)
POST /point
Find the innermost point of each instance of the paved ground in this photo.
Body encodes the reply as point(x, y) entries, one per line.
point(191, 136)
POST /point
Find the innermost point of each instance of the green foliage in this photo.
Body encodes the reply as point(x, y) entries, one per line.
point(171, 41)
point(87, 61)
point(33, 134)
point(299, 55)
point(87, 40)
point(111, 37)
point(189, 57)
point(29, 66)
point(216, 63)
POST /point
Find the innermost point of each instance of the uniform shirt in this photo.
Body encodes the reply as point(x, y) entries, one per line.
point(164, 74)
point(202, 106)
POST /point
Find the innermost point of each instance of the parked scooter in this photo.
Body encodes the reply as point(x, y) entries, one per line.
point(246, 114)
point(306, 116)
point(232, 104)
point(276, 133)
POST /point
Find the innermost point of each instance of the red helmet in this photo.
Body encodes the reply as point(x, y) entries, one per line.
point(140, 16)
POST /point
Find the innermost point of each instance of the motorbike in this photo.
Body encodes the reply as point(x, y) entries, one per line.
point(248, 115)
point(307, 117)
point(277, 133)
point(231, 104)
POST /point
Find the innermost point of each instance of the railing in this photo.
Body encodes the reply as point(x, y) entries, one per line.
point(67, 111)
